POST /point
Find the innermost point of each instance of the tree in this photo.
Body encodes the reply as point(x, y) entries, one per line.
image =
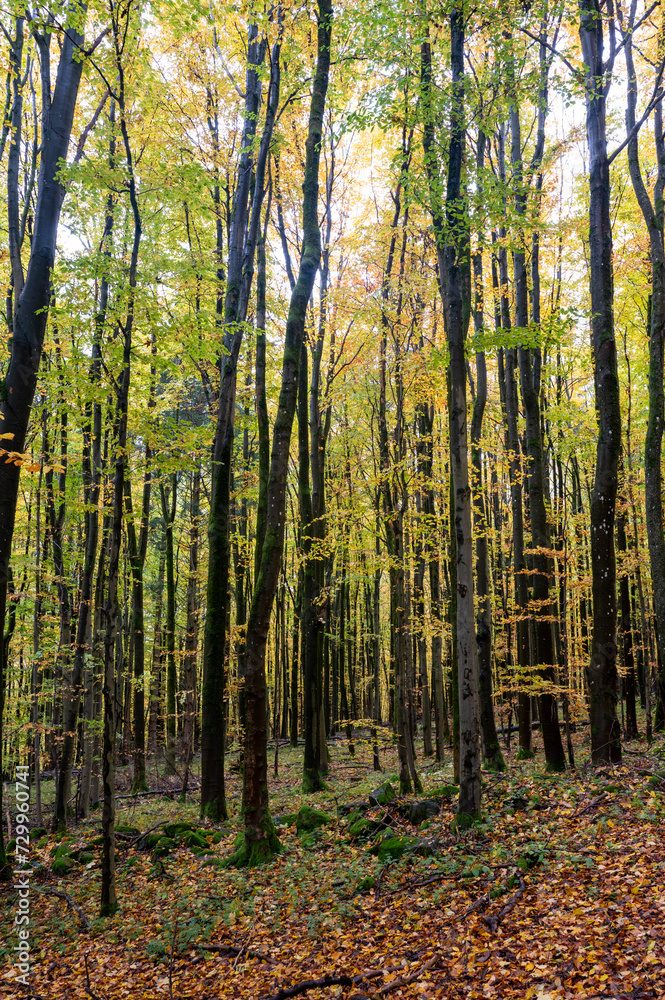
point(602, 669)
point(260, 838)
point(32, 294)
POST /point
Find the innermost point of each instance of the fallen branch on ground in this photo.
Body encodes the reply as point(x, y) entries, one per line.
point(405, 980)
point(311, 984)
point(157, 791)
point(88, 989)
point(230, 949)
point(494, 921)
point(70, 902)
point(377, 891)
point(596, 801)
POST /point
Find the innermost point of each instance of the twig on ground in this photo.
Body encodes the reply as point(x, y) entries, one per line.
point(70, 902)
point(596, 801)
point(405, 980)
point(88, 988)
point(230, 949)
point(141, 836)
point(494, 921)
point(377, 891)
point(311, 984)
point(173, 943)
point(243, 946)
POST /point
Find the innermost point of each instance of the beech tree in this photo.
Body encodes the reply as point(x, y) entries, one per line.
point(31, 287)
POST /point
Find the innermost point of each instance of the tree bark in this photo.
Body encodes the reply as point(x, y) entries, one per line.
point(33, 300)
point(602, 670)
point(260, 837)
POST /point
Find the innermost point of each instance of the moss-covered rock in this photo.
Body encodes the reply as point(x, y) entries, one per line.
point(366, 884)
point(211, 862)
point(309, 819)
point(37, 832)
point(63, 850)
point(194, 840)
point(163, 847)
point(127, 828)
point(363, 829)
point(419, 810)
point(85, 857)
point(383, 795)
point(176, 830)
point(394, 848)
point(443, 792)
point(63, 865)
point(311, 840)
point(285, 819)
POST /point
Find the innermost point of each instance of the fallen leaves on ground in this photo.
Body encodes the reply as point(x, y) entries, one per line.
point(569, 870)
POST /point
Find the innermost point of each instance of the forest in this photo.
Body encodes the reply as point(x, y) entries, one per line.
point(332, 542)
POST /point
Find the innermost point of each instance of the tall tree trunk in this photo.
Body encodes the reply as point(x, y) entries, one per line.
point(492, 751)
point(260, 837)
point(529, 367)
point(455, 249)
point(192, 633)
point(169, 496)
point(108, 899)
point(602, 669)
point(31, 302)
point(457, 258)
point(245, 230)
point(654, 216)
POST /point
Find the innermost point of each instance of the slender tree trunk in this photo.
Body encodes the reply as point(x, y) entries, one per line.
point(654, 216)
point(529, 382)
point(456, 250)
point(244, 235)
point(260, 838)
point(602, 670)
point(32, 300)
point(169, 496)
point(192, 634)
point(491, 749)
point(108, 901)
point(155, 721)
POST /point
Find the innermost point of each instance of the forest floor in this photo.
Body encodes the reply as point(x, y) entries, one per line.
point(560, 892)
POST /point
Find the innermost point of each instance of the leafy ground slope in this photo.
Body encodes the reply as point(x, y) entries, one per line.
point(559, 893)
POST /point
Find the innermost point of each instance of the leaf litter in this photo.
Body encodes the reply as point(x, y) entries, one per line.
point(558, 893)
